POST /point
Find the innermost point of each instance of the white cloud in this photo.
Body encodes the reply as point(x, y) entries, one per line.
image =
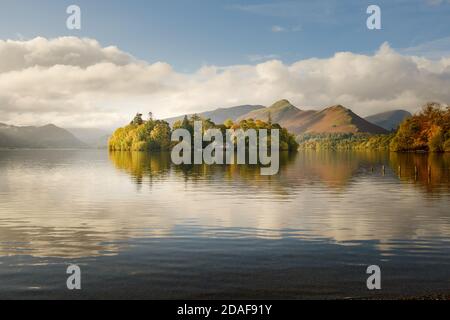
point(306, 11)
point(17, 55)
point(262, 57)
point(434, 49)
point(76, 82)
point(278, 29)
point(436, 2)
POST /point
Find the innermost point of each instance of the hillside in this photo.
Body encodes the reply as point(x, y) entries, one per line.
point(336, 119)
point(279, 111)
point(220, 115)
point(94, 138)
point(389, 120)
point(49, 136)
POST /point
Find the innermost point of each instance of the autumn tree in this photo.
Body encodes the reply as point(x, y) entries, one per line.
point(429, 130)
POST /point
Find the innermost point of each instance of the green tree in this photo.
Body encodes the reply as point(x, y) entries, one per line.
point(436, 140)
point(160, 136)
point(447, 145)
point(141, 136)
point(228, 123)
point(137, 121)
point(156, 134)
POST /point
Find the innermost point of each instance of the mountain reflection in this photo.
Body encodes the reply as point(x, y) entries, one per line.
point(90, 203)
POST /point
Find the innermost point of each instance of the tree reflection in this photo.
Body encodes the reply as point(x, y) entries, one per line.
point(335, 169)
point(431, 172)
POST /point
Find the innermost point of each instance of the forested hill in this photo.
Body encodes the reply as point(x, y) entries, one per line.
point(49, 136)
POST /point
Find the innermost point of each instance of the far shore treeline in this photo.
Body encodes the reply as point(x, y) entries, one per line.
point(426, 131)
point(155, 135)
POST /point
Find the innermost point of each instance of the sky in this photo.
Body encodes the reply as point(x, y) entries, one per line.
point(174, 57)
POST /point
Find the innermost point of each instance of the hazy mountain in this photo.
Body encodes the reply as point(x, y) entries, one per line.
point(219, 116)
point(95, 138)
point(389, 120)
point(49, 136)
point(336, 119)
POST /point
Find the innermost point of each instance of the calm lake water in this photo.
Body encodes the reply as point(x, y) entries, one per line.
point(140, 227)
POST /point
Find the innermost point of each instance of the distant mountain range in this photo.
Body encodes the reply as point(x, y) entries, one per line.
point(389, 120)
point(222, 114)
point(334, 119)
point(94, 138)
point(49, 136)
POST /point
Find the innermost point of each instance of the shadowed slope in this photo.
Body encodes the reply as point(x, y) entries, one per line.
point(389, 120)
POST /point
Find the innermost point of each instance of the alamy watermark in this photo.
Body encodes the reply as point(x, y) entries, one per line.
point(231, 149)
point(374, 20)
point(374, 281)
point(74, 280)
point(73, 22)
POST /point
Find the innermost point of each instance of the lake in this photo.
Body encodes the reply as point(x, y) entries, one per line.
point(140, 227)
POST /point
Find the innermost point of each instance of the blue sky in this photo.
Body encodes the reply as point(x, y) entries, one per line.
point(199, 55)
point(191, 33)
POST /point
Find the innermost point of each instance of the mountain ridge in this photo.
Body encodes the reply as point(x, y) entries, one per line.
point(220, 115)
point(334, 119)
point(389, 120)
point(47, 136)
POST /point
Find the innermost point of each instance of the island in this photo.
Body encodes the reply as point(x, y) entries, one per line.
point(155, 135)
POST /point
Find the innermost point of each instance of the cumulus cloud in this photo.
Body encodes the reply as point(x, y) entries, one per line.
point(76, 82)
point(18, 55)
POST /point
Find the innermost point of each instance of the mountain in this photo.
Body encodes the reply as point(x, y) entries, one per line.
point(95, 138)
point(49, 136)
point(338, 119)
point(280, 112)
point(335, 119)
point(219, 116)
point(389, 120)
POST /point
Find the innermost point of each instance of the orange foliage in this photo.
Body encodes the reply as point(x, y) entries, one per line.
point(429, 130)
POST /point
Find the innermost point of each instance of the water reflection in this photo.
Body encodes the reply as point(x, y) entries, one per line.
point(142, 164)
point(429, 172)
point(86, 203)
point(335, 169)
